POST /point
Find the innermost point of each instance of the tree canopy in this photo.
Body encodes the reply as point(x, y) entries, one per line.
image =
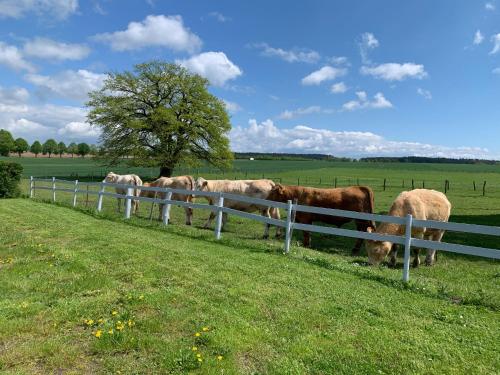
point(73, 149)
point(83, 149)
point(160, 115)
point(61, 149)
point(49, 147)
point(36, 148)
point(20, 146)
point(6, 142)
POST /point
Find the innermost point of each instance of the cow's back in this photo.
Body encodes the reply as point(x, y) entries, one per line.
point(250, 188)
point(422, 204)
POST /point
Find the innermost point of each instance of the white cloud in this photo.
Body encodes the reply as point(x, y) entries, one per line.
point(290, 114)
point(13, 96)
point(338, 60)
point(368, 42)
point(478, 37)
point(424, 93)
point(378, 102)
point(219, 16)
point(12, 57)
point(338, 88)
point(231, 107)
point(395, 71)
point(496, 44)
point(489, 6)
point(215, 66)
point(59, 9)
point(50, 49)
point(326, 73)
point(159, 31)
point(293, 55)
point(79, 130)
point(68, 84)
point(267, 137)
point(496, 71)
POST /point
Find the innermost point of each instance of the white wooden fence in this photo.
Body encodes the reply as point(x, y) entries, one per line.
point(407, 240)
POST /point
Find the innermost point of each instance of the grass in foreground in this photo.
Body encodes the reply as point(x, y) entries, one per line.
point(264, 312)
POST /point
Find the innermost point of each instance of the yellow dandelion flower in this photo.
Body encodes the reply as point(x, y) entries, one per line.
point(111, 331)
point(130, 323)
point(114, 312)
point(198, 355)
point(98, 333)
point(200, 360)
point(120, 326)
point(205, 329)
point(141, 296)
point(219, 358)
point(194, 348)
point(100, 321)
point(90, 322)
point(197, 334)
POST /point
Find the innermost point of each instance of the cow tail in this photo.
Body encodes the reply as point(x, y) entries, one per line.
point(191, 181)
point(372, 206)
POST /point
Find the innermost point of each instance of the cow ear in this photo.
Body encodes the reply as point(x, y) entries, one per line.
point(205, 183)
point(369, 230)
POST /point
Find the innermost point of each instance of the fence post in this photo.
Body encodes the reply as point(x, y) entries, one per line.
point(335, 183)
point(218, 223)
point(165, 213)
point(288, 228)
point(423, 184)
point(474, 185)
point(74, 193)
point(484, 188)
point(53, 189)
point(128, 202)
point(406, 261)
point(412, 184)
point(445, 186)
point(32, 186)
point(99, 197)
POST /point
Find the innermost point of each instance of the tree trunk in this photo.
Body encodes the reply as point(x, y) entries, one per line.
point(166, 171)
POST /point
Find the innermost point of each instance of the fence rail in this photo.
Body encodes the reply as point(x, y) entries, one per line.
point(291, 208)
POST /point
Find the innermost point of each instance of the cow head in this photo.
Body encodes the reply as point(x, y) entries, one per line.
point(277, 193)
point(201, 184)
point(377, 250)
point(111, 177)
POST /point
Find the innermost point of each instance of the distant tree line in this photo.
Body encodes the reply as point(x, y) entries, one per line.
point(50, 147)
point(423, 159)
point(285, 156)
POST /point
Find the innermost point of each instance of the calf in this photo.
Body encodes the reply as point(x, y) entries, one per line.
point(354, 198)
point(127, 179)
point(179, 182)
point(250, 188)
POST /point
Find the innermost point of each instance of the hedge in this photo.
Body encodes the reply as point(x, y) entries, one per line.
point(10, 177)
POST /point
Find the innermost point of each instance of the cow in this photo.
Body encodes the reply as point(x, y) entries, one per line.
point(422, 204)
point(127, 179)
point(250, 188)
point(179, 182)
point(354, 198)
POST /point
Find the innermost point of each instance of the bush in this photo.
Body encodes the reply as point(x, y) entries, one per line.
point(10, 177)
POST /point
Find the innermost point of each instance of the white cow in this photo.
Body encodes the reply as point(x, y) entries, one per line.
point(250, 188)
point(179, 182)
point(127, 179)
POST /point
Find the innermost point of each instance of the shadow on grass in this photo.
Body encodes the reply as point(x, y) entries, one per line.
point(326, 244)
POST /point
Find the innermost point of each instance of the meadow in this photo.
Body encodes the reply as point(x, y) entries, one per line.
point(316, 310)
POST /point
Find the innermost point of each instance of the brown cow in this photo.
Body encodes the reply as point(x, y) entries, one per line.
point(179, 182)
point(354, 198)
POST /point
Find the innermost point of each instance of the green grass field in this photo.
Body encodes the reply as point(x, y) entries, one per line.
point(316, 310)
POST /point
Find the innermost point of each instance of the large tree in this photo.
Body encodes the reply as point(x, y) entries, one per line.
point(36, 148)
point(20, 146)
point(49, 147)
point(83, 149)
point(160, 115)
point(61, 149)
point(73, 149)
point(6, 142)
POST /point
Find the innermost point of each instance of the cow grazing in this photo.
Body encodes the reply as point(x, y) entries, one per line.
point(250, 188)
point(179, 182)
point(126, 179)
point(354, 198)
point(422, 204)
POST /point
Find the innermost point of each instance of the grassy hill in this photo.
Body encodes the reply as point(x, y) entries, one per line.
point(263, 312)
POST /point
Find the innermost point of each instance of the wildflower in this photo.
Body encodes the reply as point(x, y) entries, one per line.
point(141, 296)
point(200, 360)
point(198, 355)
point(130, 323)
point(90, 322)
point(194, 348)
point(100, 321)
point(205, 329)
point(24, 305)
point(219, 358)
point(120, 326)
point(197, 334)
point(98, 333)
point(110, 331)
point(114, 312)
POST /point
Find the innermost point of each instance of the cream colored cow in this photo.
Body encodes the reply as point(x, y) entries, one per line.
point(127, 179)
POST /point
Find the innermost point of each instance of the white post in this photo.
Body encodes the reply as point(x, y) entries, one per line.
point(218, 223)
point(406, 261)
point(128, 202)
point(53, 189)
point(99, 197)
point(74, 193)
point(165, 213)
point(288, 228)
point(32, 187)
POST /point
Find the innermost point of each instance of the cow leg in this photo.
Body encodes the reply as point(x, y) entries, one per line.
point(119, 200)
point(209, 220)
point(416, 258)
point(160, 211)
point(361, 226)
point(431, 254)
point(224, 220)
point(394, 255)
point(189, 215)
point(275, 214)
point(265, 212)
point(306, 241)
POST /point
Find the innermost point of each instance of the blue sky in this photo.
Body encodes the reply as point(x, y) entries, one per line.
point(353, 78)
